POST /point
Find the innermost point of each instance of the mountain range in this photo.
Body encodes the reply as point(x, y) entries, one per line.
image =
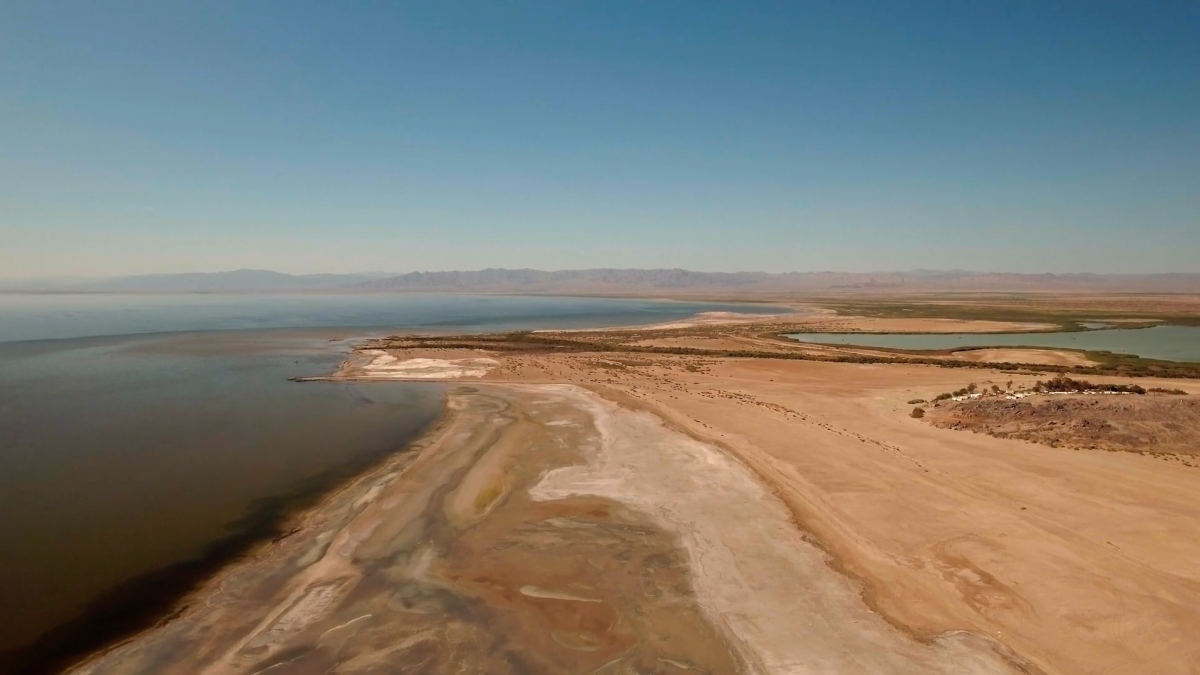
point(615, 281)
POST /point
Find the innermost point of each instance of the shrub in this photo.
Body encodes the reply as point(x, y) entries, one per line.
point(1063, 383)
point(918, 412)
point(916, 400)
point(1160, 390)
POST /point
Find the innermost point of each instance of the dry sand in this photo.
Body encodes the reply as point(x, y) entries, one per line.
point(768, 588)
point(1077, 561)
point(857, 324)
point(1047, 357)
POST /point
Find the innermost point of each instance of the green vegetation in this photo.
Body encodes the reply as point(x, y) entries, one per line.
point(1062, 384)
point(1067, 384)
point(1120, 365)
point(1014, 308)
point(904, 310)
point(965, 391)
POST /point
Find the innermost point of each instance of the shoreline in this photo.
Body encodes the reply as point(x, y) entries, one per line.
point(154, 598)
point(151, 597)
point(941, 619)
point(467, 449)
point(721, 559)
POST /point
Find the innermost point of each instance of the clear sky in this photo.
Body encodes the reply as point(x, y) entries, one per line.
point(351, 136)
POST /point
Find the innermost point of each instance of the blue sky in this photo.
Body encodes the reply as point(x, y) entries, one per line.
point(337, 137)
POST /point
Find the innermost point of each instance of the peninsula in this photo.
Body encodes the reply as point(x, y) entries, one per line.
point(702, 496)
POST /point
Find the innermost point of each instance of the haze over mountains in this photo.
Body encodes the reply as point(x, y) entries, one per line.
point(613, 281)
point(237, 281)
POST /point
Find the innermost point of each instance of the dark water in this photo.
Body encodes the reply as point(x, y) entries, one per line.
point(121, 457)
point(1168, 343)
point(132, 466)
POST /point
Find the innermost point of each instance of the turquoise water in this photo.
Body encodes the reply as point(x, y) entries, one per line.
point(141, 460)
point(1168, 343)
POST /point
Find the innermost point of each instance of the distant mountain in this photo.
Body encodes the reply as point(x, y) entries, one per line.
point(633, 281)
point(238, 280)
point(251, 281)
point(529, 280)
point(619, 282)
point(45, 283)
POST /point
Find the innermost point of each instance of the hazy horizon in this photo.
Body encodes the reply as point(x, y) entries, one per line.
point(311, 138)
point(608, 282)
point(387, 274)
